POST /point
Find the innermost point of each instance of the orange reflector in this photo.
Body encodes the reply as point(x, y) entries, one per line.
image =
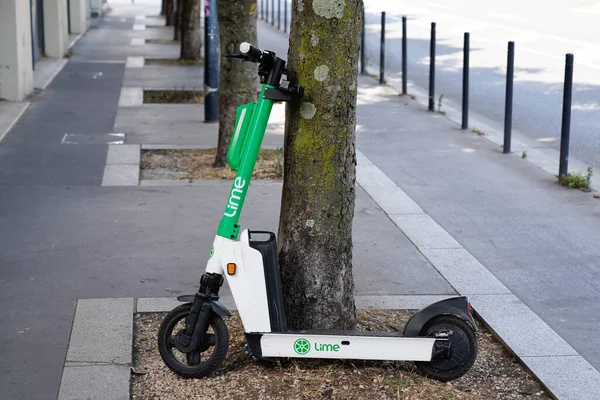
point(231, 268)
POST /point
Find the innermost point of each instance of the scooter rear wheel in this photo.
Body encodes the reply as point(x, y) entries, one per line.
point(196, 364)
point(463, 349)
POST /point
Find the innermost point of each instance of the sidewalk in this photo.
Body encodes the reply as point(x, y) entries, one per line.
point(67, 238)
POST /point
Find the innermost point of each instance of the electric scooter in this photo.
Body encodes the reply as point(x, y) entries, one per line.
point(193, 338)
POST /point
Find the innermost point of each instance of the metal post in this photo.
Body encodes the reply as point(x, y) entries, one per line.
point(465, 94)
point(362, 44)
point(285, 16)
point(404, 60)
point(211, 64)
point(278, 14)
point(262, 10)
point(272, 12)
point(432, 69)
point(566, 117)
point(382, 50)
point(510, 67)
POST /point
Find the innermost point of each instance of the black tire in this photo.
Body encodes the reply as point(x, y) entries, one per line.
point(194, 364)
point(463, 351)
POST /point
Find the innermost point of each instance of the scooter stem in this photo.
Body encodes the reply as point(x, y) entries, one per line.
point(229, 227)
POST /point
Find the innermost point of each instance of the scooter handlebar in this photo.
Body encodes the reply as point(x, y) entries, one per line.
point(252, 52)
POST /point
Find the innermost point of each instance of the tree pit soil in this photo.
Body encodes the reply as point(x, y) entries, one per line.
point(197, 164)
point(495, 375)
point(162, 41)
point(170, 62)
point(173, 97)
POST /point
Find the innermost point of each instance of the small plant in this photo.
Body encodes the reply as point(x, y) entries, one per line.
point(524, 155)
point(448, 397)
point(440, 102)
point(478, 131)
point(577, 180)
point(588, 176)
point(404, 382)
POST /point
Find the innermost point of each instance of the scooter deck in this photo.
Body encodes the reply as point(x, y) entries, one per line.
point(342, 345)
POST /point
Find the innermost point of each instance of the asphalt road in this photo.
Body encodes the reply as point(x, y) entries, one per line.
point(543, 32)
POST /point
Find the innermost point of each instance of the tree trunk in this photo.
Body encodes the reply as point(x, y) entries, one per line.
point(191, 37)
point(177, 21)
point(317, 206)
point(237, 24)
point(163, 7)
point(169, 13)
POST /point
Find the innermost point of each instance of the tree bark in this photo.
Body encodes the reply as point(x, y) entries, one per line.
point(169, 12)
point(177, 21)
point(163, 7)
point(191, 36)
point(238, 80)
point(317, 206)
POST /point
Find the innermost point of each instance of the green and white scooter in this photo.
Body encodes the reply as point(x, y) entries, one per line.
point(193, 339)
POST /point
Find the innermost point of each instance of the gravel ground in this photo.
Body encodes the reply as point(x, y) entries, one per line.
point(195, 164)
point(495, 375)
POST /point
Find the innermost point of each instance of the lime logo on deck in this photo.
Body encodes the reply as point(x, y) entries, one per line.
point(235, 197)
point(212, 252)
point(302, 346)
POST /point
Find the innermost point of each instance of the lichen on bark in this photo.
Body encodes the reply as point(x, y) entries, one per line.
point(315, 229)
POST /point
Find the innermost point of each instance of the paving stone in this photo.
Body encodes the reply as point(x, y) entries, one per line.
point(102, 331)
point(123, 154)
point(121, 175)
point(464, 272)
point(567, 377)
point(424, 232)
point(101, 382)
point(131, 97)
point(520, 328)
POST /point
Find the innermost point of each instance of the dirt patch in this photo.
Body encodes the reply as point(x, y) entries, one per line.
point(495, 375)
point(196, 164)
point(171, 61)
point(162, 41)
point(174, 96)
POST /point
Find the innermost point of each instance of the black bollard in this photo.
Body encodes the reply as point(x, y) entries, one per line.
point(382, 50)
point(362, 45)
point(211, 62)
point(272, 12)
point(510, 68)
point(262, 10)
point(404, 61)
point(465, 94)
point(266, 10)
point(565, 132)
point(285, 16)
point(432, 69)
point(279, 14)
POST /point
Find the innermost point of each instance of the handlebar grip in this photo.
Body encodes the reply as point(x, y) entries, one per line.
point(254, 53)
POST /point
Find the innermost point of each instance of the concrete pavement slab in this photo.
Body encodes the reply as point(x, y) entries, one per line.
point(124, 154)
point(464, 272)
point(134, 62)
point(102, 331)
point(95, 382)
point(121, 175)
point(514, 322)
point(137, 41)
point(424, 232)
point(131, 97)
point(567, 377)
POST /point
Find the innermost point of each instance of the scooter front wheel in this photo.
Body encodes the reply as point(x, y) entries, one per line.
point(198, 363)
point(462, 352)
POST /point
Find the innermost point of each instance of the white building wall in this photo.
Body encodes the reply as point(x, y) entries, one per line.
point(16, 70)
point(80, 16)
point(56, 28)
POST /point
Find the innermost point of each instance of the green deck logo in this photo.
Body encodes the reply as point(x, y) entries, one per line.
point(302, 346)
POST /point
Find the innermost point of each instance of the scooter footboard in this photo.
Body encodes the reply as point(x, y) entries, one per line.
point(457, 306)
point(341, 345)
